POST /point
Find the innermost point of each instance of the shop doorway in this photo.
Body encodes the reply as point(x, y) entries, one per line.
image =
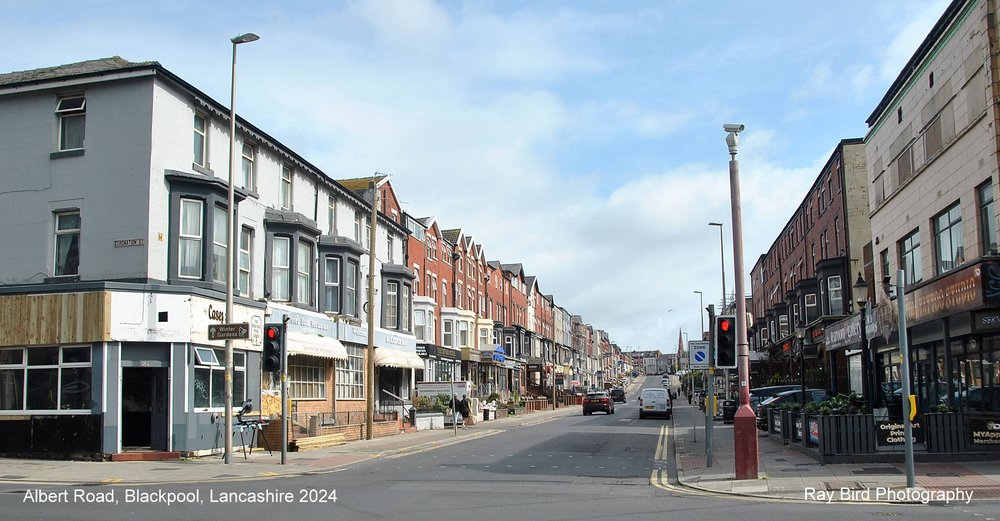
point(144, 408)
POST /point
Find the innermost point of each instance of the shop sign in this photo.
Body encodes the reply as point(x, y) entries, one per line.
point(985, 433)
point(814, 431)
point(889, 433)
point(954, 293)
point(559, 379)
point(498, 354)
point(988, 321)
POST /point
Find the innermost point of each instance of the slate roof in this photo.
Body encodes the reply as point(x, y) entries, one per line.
point(84, 68)
point(452, 235)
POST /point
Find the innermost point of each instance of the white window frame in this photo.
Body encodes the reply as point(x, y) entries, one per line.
point(404, 308)
point(448, 333)
point(463, 333)
point(392, 305)
point(60, 235)
point(24, 368)
point(245, 276)
point(307, 377)
point(216, 375)
point(304, 273)
point(351, 276)
point(835, 294)
point(349, 381)
point(281, 292)
point(331, 284)
point(248, 167)
point(67, 110)
point(357, 226)
point(388, 249)
point(194, 238)
point(420, 325)
point(220, 238)
point(285, 193)
point(200, 137)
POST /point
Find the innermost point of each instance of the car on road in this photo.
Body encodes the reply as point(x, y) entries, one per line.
point(795, 396)
point(618, 394)
point(599, 401)
point(759, 394)
point(655, 401)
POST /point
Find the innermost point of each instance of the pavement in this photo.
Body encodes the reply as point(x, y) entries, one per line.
point(786, 474)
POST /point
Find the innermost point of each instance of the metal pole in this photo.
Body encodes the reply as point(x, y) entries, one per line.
point(284, 389)
point(710, 388)
point(370, 369)
point(745, 421)
point(454, 403)
point(904, 356)
point(230, 217)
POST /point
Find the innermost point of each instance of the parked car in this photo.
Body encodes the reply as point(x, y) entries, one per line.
point(655, 401)
point(795, 396)
point(618, 394)
point(759, 394)
point(598, 401)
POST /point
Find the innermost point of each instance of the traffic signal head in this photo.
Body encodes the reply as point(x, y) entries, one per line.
point(274, 339)
point(725, 342)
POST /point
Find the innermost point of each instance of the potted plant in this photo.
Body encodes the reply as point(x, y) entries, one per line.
point(945, 429)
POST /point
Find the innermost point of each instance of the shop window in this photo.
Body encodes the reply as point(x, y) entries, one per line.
point(350, 374)
point(45, 379)
point(209, 378)
point(307, 378)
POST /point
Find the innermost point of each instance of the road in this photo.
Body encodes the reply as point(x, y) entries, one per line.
point(573, 467)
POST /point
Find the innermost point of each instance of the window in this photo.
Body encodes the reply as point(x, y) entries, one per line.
point(303, 273)
point(351, 289)
point(835, 294)
point(286, 187)
point(246, 256)
point(444, 293)
point(429, 285)
point(72, 118)
point(331, 216)
point(357, 226)
point(484, 337)
point(280, 266)
point(199, 139)
point(948, 239)
point(416, 279)
point(307, 378)
point(883, 258)
point(391, 305)
point(987, 219)
point(190, 239)
point(420, 325)
point(350, 375)
point(404, 309)
point(909, 254)
point(331, 285)
point(45, 378)
point(209, 379)
point(458, 295)
point(248, 167)
point(463, 334)
point(430, 325)
point(67, 244)
point(219, 239)
point(447, 333)
point(388, 249)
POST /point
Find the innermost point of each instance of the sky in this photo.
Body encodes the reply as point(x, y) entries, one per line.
point(582, 139)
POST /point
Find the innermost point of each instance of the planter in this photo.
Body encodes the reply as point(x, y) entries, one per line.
point(786, 426)
point(425, 421)
point(843, 434)
point(774, 423)
point(945, 432)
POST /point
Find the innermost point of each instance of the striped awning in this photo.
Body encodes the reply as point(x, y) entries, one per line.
point(300, 343)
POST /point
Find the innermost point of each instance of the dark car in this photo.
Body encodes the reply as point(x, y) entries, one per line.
point(599, 401)
point(812, 395)
point(759, 394)
point(618, 394)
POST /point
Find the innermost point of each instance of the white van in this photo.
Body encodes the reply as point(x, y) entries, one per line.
point(655, 401)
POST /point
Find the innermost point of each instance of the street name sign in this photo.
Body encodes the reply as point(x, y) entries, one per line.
point(228, 331)
point(698, 350)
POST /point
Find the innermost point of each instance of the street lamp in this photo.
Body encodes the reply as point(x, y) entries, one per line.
point(745, 421)
point(800, 335)
point(230, 225)
point(701, 314)
point(867, 371)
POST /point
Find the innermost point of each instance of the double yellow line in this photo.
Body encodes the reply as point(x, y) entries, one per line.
point(661, 444)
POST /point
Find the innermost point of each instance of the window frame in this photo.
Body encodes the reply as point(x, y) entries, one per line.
point(245, 262)
point(67, 114)
point(835, 294)
point(947, 227)
point(307, 373)
point(197, 239)
point(219, 244)
point(286, 186)
point(349, 374)
point(391, 305)
point(200, 136)
point(218, 371)
point(909, 256)
point(329, 285)
point(987, 218)
point(248, 166)
point(59, 233)
point(303, 273)
point(24, 366)
point(281, 268)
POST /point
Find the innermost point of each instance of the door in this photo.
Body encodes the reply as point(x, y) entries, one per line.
point(144, 408)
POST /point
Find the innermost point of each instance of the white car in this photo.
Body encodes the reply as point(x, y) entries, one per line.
point(655, 401)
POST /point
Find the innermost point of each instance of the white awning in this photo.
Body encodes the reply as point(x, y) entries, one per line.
point(388, 357)
point(300, 343)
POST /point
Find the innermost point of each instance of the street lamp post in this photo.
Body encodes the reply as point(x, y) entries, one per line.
point(800, 335)
point(867, 369)
point(230, 225)
point(376, 185)
point(701, 307)
point(745, 421)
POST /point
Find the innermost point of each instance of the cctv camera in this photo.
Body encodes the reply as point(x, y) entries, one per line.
point(733, 127)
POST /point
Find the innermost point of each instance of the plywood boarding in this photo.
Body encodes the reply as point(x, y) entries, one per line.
point(62, 318)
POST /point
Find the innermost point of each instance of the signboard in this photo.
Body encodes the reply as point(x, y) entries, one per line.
point(889, 433)
point(698, 352)
point(228, 331)
point(984, 433)
point(432, 389)
point(559, 379)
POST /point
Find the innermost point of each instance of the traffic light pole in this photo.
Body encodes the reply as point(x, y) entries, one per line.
point(710, 388)
point(284, 389)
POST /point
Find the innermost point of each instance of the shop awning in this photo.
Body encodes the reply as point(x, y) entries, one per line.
point(300, 343)
point(388, 357)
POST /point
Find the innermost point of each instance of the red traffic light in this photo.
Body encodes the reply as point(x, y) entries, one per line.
point(725, 325)
point(271, 332)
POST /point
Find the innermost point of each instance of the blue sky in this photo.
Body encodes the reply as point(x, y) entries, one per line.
point(582, 139)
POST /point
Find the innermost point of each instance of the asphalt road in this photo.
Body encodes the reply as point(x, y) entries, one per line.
point(572, 468)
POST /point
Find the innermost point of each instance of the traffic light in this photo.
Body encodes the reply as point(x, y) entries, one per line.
point(725, 342)
point(274, 343)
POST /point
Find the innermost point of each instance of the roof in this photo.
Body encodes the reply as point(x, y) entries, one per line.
point(360, 184)
point(451, 235)
point(84, 68)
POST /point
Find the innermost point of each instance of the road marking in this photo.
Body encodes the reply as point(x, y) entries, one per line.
point(661, 444)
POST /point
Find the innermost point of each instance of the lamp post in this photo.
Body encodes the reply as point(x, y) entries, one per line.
point(376, 184)
point(745, 421)
point(800, 335)
point(701, 306)
point(230, 225)
point(867, 369)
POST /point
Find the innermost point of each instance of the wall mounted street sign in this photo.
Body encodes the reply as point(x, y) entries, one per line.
point(228, 331)
point(698, 350)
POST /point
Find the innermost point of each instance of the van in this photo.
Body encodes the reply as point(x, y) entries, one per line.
point(655, 401)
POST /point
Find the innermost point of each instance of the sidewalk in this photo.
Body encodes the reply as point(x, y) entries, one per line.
point(260, 464)
point(790, 475)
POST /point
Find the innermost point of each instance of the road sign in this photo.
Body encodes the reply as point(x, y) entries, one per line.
point(228, 331)
point(699, 354)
